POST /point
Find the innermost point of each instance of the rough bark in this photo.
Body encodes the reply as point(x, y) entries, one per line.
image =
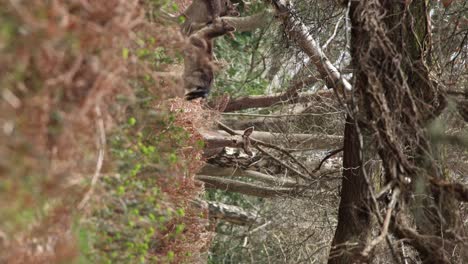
point(394, 99)
point(354, 220)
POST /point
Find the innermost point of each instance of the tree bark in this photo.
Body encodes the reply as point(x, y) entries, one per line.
point(394, 99)
point(354, 219)
point(299, 33)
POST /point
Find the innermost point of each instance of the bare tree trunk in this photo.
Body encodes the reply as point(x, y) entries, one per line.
point(354, 219)
point(394, 99)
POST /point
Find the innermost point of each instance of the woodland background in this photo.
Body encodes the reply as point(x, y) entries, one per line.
point(103, 161)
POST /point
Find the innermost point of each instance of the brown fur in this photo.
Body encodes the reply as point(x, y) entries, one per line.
point(198, 59)
point(202, 12)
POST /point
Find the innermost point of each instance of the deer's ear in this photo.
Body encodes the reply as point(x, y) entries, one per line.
point(248, 131)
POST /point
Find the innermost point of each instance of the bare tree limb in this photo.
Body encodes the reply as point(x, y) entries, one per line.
point(331, 154)
point(298, 32)
point(459, 190)
point(250, 23)
point(275, 147)
point(230, 213)
point(101, 149)
point(290, 96)
point(213, 170)
point(316, 141)
point(386, 224)
point(244, 187)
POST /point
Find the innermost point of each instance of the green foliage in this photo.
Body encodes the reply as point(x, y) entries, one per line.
point(134, 211)
point(131, 223)
point(243, 74)
point(228, 251)
point(9, 30)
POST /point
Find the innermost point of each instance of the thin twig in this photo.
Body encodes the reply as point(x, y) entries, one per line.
point(371, 190)
point(281, 115)
point(283, 164)
point(331, 154)
point(385, 189)
point(386, 223)
point(268, 145)
point(337, 26)
point(100, 160)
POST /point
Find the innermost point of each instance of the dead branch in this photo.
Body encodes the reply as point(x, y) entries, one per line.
point(331, 154)
point(275, 147)
point(314, 141)
point(283, 164)
point(213, 170)
point(290, 96)
point(244, 187)
point(386, 223)
point(230, 213)
point(429, 245)
point(298, 32)
point(457, 189)
point(101, 146)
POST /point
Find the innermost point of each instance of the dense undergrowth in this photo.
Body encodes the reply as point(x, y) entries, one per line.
point(96, 166)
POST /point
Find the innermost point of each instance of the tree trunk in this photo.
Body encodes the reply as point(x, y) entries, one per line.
point(394, 99)
point(354, 221)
